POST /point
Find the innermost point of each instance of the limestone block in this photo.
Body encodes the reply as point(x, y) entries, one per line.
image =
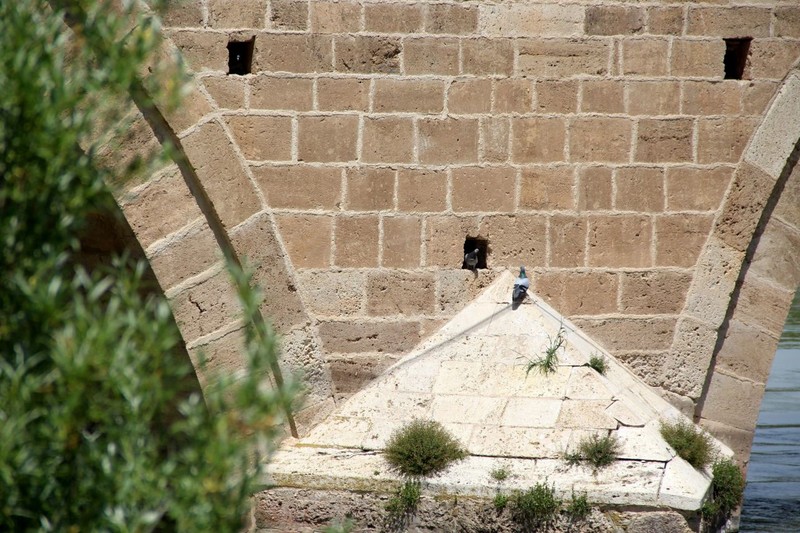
point(300, 358)
point(556, 96)
point(643, 443)
point(421, 190)
point(619, 241)
point(743, 206)
point(586, 384)
point(567, 235)
point(387, 336)
point(430, 55)
point(400, 293)
point(494, 440)
point(639, 189)
point(248, 14)
point(367, 54)
point(299, 186)
point(738, 440)
point(466, 96)
point(756, 95)
point(258, 247)
point(563, 58)
point(537, 140)
point(788, 208)
point(546, 188)
point(206, 307)
point(531, 384)
point(159, 207)
point(356, 241)
point(653, 97)
point(585, 414)
point(714, 278)
point(388, 140)
point(778, 255)
point(602, 96)
point(494, 140)
point(451, 18)
point(691, 189)
point(732, 401)
point(698, 58)
point(343, 94)
point(712, 97)
point(645, 57)
point(187, 14)
point(227, 92)
point(369, 189)
point(269, 92)
point(516, 240)
point(288, 14)
point(393, 18)
point(622, 483)
point(665, 20)
point(513, 95)
point(763, 305)
point(579, 293)
point(787, 21)
point(487, 56)
point(680, 238)
point(688, 363)
point(772, 58)
point(594, 188)
point(222, 356)
point(600, 139)
point(262, 138)
point(445, 239)
point(649, 334)
point(628, 419)
point(448, 141)
point(683, 486)
point(185, 256)
point(665, 140)
point(484, 189)
point(327, 138)
point(729, 22)
point(536, 20)
point(293, 52)
point(747, 352)
point(307, 239)
point(335, 17)
point(332, 292)
point(408, 96)
point(478, 410)
point(775, 137)
point(202, 50)
point(651, 292)
point(401, 242)
point(458, 287)
point(351, 372)
point(614, 20)
point(210, 152)
point(723, 139)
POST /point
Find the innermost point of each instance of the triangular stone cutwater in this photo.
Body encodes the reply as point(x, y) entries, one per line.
point(472, 376)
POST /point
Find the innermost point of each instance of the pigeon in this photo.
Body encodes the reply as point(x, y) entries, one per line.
point(471, 259)
point(521, 285)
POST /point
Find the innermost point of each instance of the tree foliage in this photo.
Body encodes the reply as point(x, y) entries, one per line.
point(101, 426)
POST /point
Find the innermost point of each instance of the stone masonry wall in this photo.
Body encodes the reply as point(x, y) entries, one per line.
point(592, 142)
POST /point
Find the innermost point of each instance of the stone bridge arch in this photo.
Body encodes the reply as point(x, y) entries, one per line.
point(725, 286)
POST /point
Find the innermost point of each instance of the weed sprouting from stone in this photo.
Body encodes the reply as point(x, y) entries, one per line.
point(727, 488)
point(548, 363)
point(536, 506)
point(422, 448)
point(579, 508)
point(499, 474)
point(403, 503)
point(598, 363)
point(500, 501)
point(596, 450)
point(690, 443)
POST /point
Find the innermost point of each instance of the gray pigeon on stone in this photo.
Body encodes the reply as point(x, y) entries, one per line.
point(521, 285)
point(471, 259)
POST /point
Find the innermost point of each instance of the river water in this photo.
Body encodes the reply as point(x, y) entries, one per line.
point(772, 495)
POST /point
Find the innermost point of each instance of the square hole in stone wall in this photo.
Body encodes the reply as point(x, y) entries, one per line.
point(736, 51)
point(240, 56)
point(475, 243)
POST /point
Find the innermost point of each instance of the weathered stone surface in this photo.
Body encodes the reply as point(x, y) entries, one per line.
point(600, 139)
point(686, 368)
point(451, 18)
point(400, 293)
point(356, 241)
point(393, 18)
point(778, 255)
point(327, 138)
point(288, 14)
point(563, 58)
point(614, 20)
point(307, 239)
point(594, 188)
point(743, 206)
point(630, 333)
point(533, 20)
point(206, 307)
point(332, 292)
point(537, 140)
point(653, 292)
point(160, 207)
point(546, 188)
point(369, 189)
point(667, 20)
point(448, 141)
point(665, 140)
point(787, 21)
point(211, 154)
point(186, 256)
point(712, 97)
point(619, 241)
point(494, 140)
point(202, 50)
point(184, 14)
point(762, 304)
point(747, 352)
point(248, 14)
point(513, 96)
point(335, 17)
point(263, 138)
point(299, 186)
point(679, 238)
point(342, 94)
point(367, 53)
point(445, 239)
point(788, 208)
point(222, 356)
point(393, 337)
point(487, 56)
point(388, 140)
point(733, 401)
point(483, 189)
point(408, 96)
point(227, 92)
point(691, 189)
point(602, 96)
point(723, 139)
point(556, 96)
point(469, 96)
point(458, 287)
point(653, 97)
point(421, 190)
point(579, 293)
point(269, 92)
point(729, 22)
point(738, 440)
point(428, 55)
point(775, 137)
point(639, 189)
point(698, 58)
point(516, 240)
point(293, 52)
point(567, 236)
point(401, 242)
point(714, 277)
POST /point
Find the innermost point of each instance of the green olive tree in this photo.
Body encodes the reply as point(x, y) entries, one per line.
point(100, 429)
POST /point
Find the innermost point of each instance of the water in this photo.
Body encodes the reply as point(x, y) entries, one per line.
point(772, 495)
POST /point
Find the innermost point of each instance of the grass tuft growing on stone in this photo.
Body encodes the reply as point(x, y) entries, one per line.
point(500, 501)
point(595, 450)
point(500, 473)
point(536, 506)
point(404, 502)
point(727, 488)
point(422, 448)
point(598, 363)
point(691, 444)
point(548, 363)
point(579, 508)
